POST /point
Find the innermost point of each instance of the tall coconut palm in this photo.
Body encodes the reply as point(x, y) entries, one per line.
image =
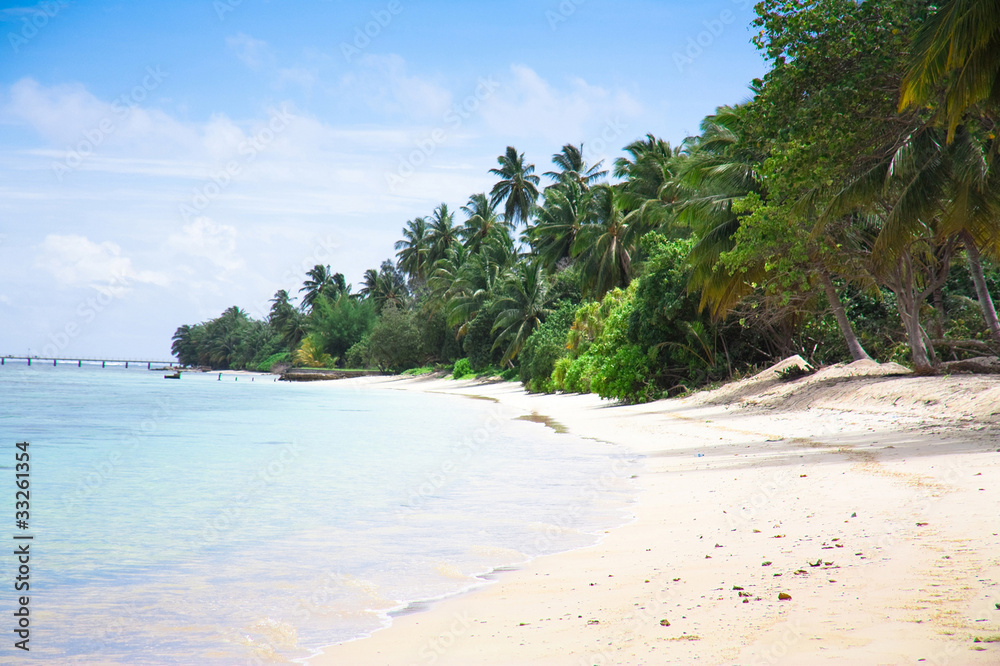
point(320, 281)
point(606, 243)
point(482, 222)
point(385, 287)
point(441, 233)
point(957, 49)
point(413, 249)
point(465, 282)
point(517, 189)
point(523, 307)
point(651, 184)
point(558, 221)
point(286, 319)
point(573, 168)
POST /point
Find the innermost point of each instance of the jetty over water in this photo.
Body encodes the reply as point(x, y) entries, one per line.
point(80, 361)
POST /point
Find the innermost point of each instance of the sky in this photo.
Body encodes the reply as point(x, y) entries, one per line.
point(162, 161)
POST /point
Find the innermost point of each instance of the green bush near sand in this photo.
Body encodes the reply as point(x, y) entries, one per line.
point(462, 369)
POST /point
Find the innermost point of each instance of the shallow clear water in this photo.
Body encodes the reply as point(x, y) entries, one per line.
point(237, 521)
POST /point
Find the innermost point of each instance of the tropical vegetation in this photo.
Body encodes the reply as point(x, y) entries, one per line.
point(848, 210)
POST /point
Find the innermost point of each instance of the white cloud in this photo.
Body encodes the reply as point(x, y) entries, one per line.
point(76, 261)
point(208, 240)
point(255, 53)
point(383, 83)
point(529, 106)
point(70, 116)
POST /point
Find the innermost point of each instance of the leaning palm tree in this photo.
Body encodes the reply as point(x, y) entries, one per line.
point(413, 249)
point(517, 188)
point(957, 49)
point(572, 167)
point(935, 194)
point(651, 183)
point(606, 243)
point(523, 307)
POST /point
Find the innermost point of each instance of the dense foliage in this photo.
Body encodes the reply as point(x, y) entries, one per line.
point(829, 216)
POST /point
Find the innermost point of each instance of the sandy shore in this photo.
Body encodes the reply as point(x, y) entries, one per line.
point(873, 501)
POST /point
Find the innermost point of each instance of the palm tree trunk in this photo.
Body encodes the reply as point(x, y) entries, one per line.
point(982, 293)
point(858, 352)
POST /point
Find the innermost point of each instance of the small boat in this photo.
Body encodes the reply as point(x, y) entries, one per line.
point(176, 375)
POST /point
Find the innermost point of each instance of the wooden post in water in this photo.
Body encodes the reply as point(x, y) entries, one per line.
point(53, 363)
point(79, 364)
point(126, 365)
point(102, 364)
point(29, 361)
point(149, 366)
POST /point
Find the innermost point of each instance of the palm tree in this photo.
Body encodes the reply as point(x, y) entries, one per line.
point(651, 184)
point(482, 222)
point(385, 287)
point(957, 48)
point(572, 167)
point(523, 307)
point(929, 195)
point(286, 320)
point(606, 243)
point(718, 171)
point(320, 282)
point(517, 188)
point(558, 221)
point(413, 249)
point(442, 233)
point(185, 345)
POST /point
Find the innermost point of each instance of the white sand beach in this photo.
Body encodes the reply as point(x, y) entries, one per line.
point(872, 501)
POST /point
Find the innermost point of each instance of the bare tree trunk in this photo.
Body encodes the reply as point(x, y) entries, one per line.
point(910, 314)
point(982, 293)
point(938, 322)
point(858, 352)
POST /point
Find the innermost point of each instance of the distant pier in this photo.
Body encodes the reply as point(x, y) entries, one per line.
point(80, 361)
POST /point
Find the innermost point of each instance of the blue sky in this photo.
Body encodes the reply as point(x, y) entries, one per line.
point(160, 162)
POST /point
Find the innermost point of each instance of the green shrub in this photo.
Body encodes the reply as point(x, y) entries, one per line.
point(270, 361)
point(462, 369)
point(546, 346)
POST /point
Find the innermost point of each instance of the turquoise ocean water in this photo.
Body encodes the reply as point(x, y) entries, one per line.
point(251, 522)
